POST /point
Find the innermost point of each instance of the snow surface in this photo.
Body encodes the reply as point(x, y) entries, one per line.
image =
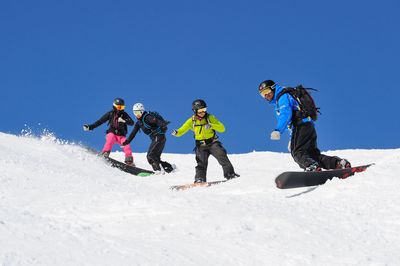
point(60, 205)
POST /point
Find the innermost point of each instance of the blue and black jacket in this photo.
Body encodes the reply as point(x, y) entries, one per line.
point(287, 111)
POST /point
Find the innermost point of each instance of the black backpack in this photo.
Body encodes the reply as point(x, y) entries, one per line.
point(159, 117)
point(303, 97)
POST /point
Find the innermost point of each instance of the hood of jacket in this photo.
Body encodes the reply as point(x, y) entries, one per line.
point(278, 89)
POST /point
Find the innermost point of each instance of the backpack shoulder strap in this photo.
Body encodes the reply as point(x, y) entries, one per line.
point(208, 122)
point(193, 121)
point(284, 91)
point(143, 118)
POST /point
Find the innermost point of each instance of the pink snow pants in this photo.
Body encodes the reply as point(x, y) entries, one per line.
point(111, 139)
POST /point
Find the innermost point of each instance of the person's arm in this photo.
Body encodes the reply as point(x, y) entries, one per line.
point(133, 134)
point(284, 113)
point(184, 128)
point(101, 121)
point(216, 124)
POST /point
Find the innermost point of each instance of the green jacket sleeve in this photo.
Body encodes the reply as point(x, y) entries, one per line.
point(216, 124)
point(185, 127)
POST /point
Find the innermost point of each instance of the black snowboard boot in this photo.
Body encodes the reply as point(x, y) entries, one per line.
point(342, 163)
point(129, 161)
point(167, 167)
point(231, 175)
point(313, 168)
point(156, 167)
point(199, 180)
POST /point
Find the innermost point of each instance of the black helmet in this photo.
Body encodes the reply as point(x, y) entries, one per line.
point(119, 104)
point(267, 84)
point(198, 104)
point(119, 101)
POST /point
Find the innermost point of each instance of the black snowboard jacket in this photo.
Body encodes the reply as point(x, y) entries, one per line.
point(118, 128)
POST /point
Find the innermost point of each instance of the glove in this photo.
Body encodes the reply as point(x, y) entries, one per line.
point(174, 133)
point(275, 135)
point(120, 119)
point(125, 143)
point(207, 126)
point(86, 127)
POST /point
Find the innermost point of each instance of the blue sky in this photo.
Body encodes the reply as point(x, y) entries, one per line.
point(63, 63)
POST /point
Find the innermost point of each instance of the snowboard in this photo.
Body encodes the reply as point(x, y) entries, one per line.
point(306, 179)
point(202, 184)
point(128, 168)
point(192, 185)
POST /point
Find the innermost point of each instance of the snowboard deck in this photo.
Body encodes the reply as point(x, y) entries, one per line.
point(203, 184)
point(305, 179)
point(128, 168)
point(120, 165)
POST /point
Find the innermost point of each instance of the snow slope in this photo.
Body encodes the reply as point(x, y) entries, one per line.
point(60, 205)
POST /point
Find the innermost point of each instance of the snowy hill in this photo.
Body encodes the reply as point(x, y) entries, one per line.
point(60, 205)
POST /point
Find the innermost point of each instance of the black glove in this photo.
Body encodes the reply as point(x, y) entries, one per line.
point(125, 143)
point(86, 127)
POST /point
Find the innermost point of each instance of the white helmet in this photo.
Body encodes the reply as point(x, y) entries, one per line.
point(138, 108)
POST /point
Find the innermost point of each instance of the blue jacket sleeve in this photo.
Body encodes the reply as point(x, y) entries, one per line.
point(283, 113)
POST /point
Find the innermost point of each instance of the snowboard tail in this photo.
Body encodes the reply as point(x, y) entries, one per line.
point(305, 179)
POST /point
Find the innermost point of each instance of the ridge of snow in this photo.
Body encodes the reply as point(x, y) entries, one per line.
point(61, 205)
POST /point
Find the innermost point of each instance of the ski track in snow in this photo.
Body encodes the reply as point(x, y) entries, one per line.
point(61, 205)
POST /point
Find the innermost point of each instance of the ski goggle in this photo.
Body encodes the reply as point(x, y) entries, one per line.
point(265, 90)
point(119, 107)
point(137, 112)
point(202, 110)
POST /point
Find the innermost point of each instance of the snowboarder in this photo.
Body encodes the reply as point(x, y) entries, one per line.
point(117, 120)
point(303, 144)
point(205, 126)
point(155, 126)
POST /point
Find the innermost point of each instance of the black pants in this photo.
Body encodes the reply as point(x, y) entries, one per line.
point(304, 148)
point(215, 149)
point(154, 153)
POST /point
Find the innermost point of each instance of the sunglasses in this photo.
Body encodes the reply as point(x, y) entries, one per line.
point(137, 112)
point(119, 107)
